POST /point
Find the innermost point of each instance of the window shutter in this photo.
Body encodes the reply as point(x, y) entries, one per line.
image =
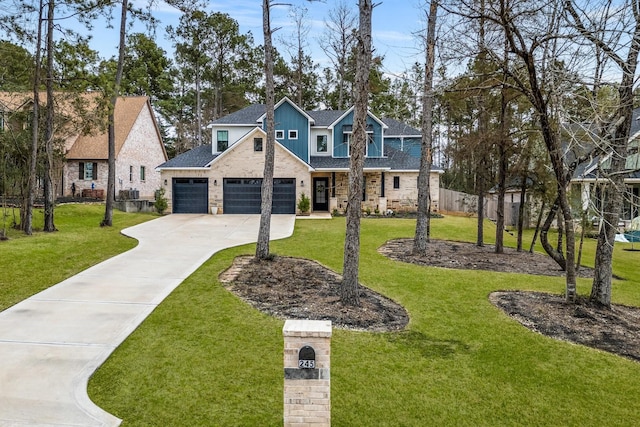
point(81, 171)
point(95, 171)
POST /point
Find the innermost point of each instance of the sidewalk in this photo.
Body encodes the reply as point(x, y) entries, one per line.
point(51, 343)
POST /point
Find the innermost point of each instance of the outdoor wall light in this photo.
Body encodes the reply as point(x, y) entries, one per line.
point(215, 182)
point(165, 182)
point(301, 183)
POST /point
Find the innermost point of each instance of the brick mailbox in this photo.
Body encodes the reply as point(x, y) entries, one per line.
point(307, 382)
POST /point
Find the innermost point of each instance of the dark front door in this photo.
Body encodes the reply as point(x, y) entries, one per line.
point(320, 194)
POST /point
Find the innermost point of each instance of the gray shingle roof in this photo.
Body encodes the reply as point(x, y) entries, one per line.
point(322, 118)
point(198, 157)
point(247, 116)
point(395, 160)
point(325, 117)
point(397, 128)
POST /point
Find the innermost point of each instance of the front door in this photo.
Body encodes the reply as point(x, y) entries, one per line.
point(320, 194)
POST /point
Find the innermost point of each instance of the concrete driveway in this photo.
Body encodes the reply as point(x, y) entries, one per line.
point(51, 343)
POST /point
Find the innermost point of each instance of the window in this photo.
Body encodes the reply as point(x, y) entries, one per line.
point(222, 140)
point(257, 144)
point(142, 173)
point(396, 182)
point(293, 134)
point(321, 143)
point(130, 173)
point(279, 134)
point(87, 171)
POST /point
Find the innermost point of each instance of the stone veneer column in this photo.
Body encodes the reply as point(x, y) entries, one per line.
point(307, 386)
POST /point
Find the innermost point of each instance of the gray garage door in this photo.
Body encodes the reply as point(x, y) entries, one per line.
point(242, 195)
point(190, 195)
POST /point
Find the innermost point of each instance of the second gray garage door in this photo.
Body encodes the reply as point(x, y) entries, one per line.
point(243, 195)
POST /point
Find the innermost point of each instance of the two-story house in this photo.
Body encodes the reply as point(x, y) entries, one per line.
point(311, 157)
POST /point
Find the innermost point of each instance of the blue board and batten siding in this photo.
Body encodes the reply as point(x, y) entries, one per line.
point(410, 146)
point(287, 118)
point(341, 149)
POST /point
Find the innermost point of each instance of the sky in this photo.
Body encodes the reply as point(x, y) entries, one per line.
point(394, 25)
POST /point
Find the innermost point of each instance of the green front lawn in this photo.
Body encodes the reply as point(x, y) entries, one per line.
point(206, 358)
point(30, 264)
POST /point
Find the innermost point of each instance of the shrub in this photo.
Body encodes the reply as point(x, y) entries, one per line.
point(304, 204)
point(161, 203)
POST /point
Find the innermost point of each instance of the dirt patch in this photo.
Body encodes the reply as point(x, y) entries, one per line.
point(616, 330)
point(468, 256)
point(295, 288)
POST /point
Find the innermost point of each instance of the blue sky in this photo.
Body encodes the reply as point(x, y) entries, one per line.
point(394, 24)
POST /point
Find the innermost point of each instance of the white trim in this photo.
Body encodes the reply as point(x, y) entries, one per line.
point(291, 137)
point(193, 168)
point(249, 137)
point(293, 104)
point(369, 113)
point(276, 134)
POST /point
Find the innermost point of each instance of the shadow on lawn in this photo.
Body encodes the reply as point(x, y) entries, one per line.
point(427, 346)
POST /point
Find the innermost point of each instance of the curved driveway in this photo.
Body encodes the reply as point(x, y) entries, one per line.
point(51, 343)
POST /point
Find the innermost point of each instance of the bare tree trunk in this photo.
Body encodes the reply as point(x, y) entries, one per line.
point(111, 179)
point(262, 247)
point(521, 212)
point(558, 257)
point(535, 233)
point(480, 223)
point(349, 294)
point(503, 164)
point(49, 196)
point(619, 134)
point(27, 224)
point(423, 221)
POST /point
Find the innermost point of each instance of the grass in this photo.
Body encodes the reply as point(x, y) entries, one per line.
point(30, 264)
point(206, 358)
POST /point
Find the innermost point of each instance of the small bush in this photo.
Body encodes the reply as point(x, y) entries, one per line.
point(161, 203)
point(304, 204)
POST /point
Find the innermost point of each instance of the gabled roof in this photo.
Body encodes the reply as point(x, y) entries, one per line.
point(397, 128)
point(13, 101)
point(254, 114)
point(248, 137)
point(293, 104)
point(346, 112)
point(95, 145)
point(323, 118)
point(199, 157)
point(247, 116)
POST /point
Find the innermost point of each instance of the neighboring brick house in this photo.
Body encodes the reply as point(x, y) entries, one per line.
point(312, 157)
point(138, 143)
point(138, 146)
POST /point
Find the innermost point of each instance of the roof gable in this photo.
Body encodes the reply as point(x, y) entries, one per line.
point(347, 112)
point(256, 132)
point(95, 146)
point(293, 104)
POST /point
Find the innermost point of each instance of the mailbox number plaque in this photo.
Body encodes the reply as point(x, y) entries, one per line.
point(307, 358)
